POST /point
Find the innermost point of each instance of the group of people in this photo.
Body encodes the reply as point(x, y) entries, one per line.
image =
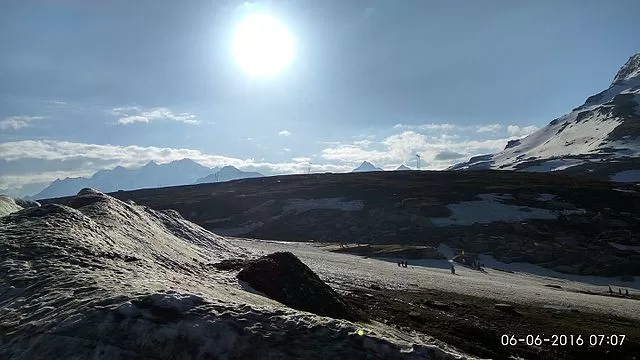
point(402, 263)
point(626, 291)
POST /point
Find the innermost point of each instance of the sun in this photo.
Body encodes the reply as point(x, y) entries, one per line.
point(262, 46)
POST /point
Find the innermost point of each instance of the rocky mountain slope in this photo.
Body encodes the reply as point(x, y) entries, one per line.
point(179, 172)
point(105, 279)
point(228, 173)
point(598, 139)
point(366, 167)
point(561, 223)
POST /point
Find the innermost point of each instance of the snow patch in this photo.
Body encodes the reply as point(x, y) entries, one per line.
point(533, 269)
point(626, 176)
point(545, 197)
point(625, 247)
point(303, 205)
point(8, 205)
point(490, 209)
point(555, 165)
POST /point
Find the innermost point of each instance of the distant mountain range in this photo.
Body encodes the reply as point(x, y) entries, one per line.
point(599, 139)
point(366, 167)
point(228, 173)
point(403, 167)
point(152, 175)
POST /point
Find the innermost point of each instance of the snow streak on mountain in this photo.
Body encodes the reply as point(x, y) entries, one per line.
point(602, 131)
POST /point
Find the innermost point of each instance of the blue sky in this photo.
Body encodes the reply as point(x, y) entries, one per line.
point(90, 84)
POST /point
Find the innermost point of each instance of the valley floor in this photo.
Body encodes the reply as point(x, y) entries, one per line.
point(460, 309)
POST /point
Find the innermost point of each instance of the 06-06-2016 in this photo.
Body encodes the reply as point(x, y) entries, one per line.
point(562, 340)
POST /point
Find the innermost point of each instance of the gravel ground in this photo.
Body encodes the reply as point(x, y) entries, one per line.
point(344, 271)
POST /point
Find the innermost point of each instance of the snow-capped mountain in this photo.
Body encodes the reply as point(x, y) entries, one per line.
point(605, 130)
point(403, 167)
point(366, 167)
point(228, 173)
point(179, 172)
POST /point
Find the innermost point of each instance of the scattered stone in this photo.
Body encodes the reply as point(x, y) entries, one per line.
point(284, 278)
point(375, 287)
point(507, 308)
point(438, 305)
point(415, 315)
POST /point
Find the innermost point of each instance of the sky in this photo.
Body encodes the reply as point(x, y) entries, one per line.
point(91, 84)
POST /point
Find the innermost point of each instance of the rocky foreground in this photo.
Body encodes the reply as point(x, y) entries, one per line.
point(105, 279)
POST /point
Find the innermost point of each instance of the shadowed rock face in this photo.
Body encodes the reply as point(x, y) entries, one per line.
point(283, 277)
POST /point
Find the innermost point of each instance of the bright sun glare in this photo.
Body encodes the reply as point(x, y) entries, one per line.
point(262, 46)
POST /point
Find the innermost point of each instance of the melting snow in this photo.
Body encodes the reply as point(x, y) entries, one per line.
point(546, 197)
point(626, 176)
point(533, 269)
point(8, 205)
point(555, 165)
point(490, 209)
point(625, 247)
point(303, 205)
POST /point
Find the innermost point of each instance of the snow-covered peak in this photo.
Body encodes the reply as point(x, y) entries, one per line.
point(228, 173)
point(229, 170)
point(630, 70)
point(604, 128)
point(403, 167)
point(365, 167)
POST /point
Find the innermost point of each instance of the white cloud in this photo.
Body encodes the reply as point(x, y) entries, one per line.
point(363, 143)
point(429, 127)
point(132, 119)
point(56, 102)
point(489, 128)
point(301, 159)
point(286, 149)
point(521, 131)
point(18, 122)
point(132, 114)
point(96, 156)
point(284, 133)
point(402, 147)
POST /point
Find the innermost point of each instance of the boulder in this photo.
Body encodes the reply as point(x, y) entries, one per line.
point(284, 278)
point(507, 308)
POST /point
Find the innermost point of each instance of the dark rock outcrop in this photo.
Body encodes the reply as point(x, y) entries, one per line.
point(284, 278)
